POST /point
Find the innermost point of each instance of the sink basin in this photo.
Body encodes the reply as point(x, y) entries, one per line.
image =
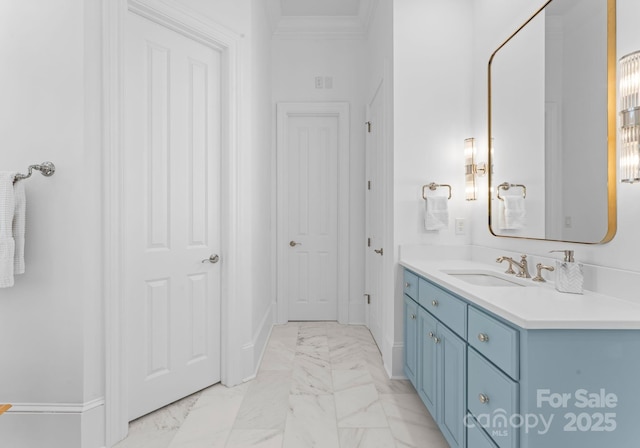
point(484, 278)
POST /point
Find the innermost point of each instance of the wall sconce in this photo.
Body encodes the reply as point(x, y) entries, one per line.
point(630, 118)
point(472, 169)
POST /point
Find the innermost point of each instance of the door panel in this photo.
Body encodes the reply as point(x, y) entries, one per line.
point(312, 217)
point(428, 359)
point(172, 214)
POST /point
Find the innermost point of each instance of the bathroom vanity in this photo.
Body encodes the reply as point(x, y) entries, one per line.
point(505, 362)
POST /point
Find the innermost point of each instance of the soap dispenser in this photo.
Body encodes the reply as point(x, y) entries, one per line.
point(569, 276)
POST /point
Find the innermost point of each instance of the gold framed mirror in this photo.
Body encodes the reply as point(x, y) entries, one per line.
point(552, 125)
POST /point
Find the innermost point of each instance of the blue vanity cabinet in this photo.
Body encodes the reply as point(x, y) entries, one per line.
point(411, 339)
point(428, 354)
point(453, 358)
point(491, 384)
point(442, 376)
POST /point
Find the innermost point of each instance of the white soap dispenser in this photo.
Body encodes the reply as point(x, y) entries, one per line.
point(569, 276)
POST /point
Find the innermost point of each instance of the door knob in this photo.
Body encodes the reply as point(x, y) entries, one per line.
point(294, 244)
point(379, 251)
point(212, 259)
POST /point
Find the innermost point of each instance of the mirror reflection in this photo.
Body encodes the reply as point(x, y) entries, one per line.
point(552, 126)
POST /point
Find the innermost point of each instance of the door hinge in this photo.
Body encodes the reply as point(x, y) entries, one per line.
point(368, 296)
point(368, 185)
point(368, 123)
point(368, 242)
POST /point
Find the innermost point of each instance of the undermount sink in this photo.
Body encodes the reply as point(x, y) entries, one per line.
point(484, 278)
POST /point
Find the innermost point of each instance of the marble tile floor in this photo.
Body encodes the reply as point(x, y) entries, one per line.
point(320, 385)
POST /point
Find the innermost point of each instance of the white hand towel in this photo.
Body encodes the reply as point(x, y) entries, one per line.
point(19, 220)
point(513, 214)
point(7, 244)
point(436, 215)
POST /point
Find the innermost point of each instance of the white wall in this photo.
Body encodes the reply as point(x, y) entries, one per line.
point(493, 22)
point(261, 177)
point(432, 87)
point(51, 319)
point(296, 63)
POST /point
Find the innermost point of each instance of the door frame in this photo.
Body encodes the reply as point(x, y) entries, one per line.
point(340, 110)
point(380, 90)
point(183, 21)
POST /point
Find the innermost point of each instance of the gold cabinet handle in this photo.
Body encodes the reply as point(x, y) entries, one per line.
point(434, 303)
point(407, 285)
point(484, 399)
point(483, 337)
point(413, 316)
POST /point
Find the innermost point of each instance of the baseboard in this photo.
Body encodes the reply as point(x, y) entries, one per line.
point(397, 355)
point(54, 425)
point(254, 351)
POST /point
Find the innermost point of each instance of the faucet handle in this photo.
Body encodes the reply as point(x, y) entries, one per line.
point(539, 268)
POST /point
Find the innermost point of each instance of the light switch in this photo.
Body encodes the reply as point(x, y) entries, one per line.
point(460, 226)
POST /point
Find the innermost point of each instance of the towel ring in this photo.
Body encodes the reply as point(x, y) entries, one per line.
point(506, 186)
point(433, 187)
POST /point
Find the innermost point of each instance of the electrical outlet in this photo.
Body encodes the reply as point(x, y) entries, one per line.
point(567, 222)
point(460, 226)
point(328, 82)
point(319, 82)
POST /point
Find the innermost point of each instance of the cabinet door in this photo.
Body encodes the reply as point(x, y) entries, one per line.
point(428, 361)
point(410, 339)
point(452, 385)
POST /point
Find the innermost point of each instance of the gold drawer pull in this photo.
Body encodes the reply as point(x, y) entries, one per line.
point(407, 285)
point(431, 335)
point(434, 302)
point(484, 399)
point(483, 337)
point(413, 316)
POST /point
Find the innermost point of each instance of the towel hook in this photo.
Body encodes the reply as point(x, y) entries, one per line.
point(46, 168)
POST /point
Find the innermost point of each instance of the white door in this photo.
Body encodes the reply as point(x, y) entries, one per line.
point(310, 180)
point(172, 222)
point(374, 215)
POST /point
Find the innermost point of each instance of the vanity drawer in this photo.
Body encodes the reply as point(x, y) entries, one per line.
point(476, 437)
point(495, 340)
point(492, 397)
point(448, 309)
point(410, 284)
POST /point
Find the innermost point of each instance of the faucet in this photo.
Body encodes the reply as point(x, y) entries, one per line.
point(523, 266)
point(511, 263)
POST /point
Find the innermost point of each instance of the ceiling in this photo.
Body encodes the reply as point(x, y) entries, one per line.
point(320, 7)
point(320, 18)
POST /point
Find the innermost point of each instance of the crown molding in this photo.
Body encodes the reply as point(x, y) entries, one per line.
point(327, 27)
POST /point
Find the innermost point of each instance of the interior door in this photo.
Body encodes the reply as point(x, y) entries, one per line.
point(374, 215)
point(311, 209)
point(172, 208)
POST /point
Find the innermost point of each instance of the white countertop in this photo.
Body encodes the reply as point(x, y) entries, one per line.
point(535, 306)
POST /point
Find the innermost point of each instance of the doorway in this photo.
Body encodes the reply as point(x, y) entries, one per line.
point(172, 208)
point(313, 211)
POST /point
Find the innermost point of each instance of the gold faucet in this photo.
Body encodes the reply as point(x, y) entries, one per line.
point(523, 266)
